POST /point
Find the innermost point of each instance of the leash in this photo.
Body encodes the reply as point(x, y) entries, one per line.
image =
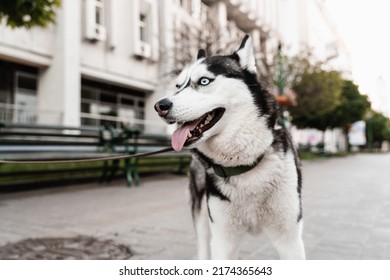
point(164, 150)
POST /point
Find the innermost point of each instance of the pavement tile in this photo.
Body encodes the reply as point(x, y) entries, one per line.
point(346, 213)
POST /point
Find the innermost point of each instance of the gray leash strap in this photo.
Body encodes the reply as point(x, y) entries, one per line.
point(165, 150)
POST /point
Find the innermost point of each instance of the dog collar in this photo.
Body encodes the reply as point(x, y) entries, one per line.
point(224, 172)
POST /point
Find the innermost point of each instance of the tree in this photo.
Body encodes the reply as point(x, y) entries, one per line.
point(281, 68)
point(209, 36)
point(377, 128)
point(318, 93)
point(28, 13)
point(353, 107)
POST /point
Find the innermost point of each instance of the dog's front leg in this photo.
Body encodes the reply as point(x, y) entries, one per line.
point(288, 243)
point(201, 219)
point(224, 244)
point(225, 237)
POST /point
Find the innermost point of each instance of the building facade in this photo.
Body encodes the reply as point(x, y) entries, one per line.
point(109, 61)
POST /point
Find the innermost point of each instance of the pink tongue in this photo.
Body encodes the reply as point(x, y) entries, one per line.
point(179, 137)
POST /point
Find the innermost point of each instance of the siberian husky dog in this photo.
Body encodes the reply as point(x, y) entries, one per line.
point(245, 175)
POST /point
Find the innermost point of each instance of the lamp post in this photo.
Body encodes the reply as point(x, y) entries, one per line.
point(281, 82)
point(282, 98)
point(370, 136)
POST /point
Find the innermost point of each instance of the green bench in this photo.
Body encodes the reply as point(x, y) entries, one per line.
point(125, 141)
point(43, 142)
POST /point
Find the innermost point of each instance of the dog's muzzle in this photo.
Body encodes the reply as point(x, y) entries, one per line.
point(163, 106)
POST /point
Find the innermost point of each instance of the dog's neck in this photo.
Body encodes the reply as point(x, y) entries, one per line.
point(241, 144)
point(223, 171)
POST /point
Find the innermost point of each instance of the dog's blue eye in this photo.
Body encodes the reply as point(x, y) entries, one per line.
point(204, 81)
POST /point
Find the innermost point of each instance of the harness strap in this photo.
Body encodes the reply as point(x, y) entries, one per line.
point(224, 172)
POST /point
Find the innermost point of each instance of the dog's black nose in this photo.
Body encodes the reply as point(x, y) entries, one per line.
point(162, 107)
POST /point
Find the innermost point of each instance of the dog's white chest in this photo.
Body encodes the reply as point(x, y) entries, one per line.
point(246, 206)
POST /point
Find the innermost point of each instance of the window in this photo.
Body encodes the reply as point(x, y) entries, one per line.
point(143, 27)
point(144, 22)
point(95, 20)
point(186, 5)
point(25, 97)
point(195, 8)
point(145, 32)
point(103, 104)
point(18, 93)
point(99, 12)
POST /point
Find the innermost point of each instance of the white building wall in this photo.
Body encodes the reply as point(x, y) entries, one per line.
point(59, 84)
point(166, 15)
point(33, 47)
point(114, 61)
point(64, 56)
point(116, 58)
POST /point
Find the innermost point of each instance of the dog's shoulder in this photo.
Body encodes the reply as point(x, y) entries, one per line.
point(282, 141)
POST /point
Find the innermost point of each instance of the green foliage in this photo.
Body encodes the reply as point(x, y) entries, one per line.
point(323, 98)
point(294, 67)
point(386, 131)
point(28, 13)
point(318, 93)
point(284, 69)
point(353, 107)
point(377, 127)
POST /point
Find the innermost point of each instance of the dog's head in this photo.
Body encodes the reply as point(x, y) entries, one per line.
point(213, 95)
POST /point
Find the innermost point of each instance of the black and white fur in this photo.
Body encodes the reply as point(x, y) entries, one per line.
point(266, 198)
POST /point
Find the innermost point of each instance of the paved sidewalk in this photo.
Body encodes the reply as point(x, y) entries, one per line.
point(346, 212)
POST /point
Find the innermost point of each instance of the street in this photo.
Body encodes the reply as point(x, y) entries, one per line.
point(346, 211)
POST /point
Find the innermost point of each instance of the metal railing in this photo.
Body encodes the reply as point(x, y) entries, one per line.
point(10, 113)
point(117, 122)
point(27, 114)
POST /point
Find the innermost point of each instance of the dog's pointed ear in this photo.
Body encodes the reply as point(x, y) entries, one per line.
point(245, 55)
point(201, 54)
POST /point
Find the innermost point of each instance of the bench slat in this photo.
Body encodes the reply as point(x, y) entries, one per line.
point(41, 142)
